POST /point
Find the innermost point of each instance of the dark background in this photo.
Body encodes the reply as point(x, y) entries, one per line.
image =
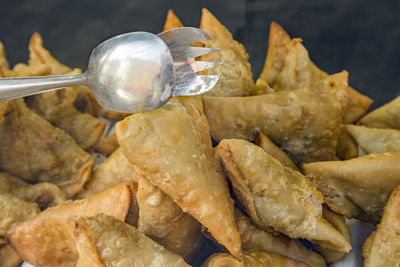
point(360, 36)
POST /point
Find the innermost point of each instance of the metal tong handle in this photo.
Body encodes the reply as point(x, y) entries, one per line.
point(11, 88)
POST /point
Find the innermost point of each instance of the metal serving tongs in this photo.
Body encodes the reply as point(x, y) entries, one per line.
point(133, 72)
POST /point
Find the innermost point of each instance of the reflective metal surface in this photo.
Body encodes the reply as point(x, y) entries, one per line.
point(133, 72)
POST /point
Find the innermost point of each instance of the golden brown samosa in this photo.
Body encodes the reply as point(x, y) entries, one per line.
point(166, 147)
point(251, 258)
point(165, 222)
point(382, 248)
point(47, 240)
point(34, 150)
point(114, 170)
point(58, 106)
point(375, 140)
point(386, 116)
point(277, 197)
point(265, 143)
point(172, 21)
point(362, 183)
point(305, 123)
point(236, 78)
point(346, 148)
point(43, 194)
point(106, 241)
point(256, 238)
point(288, 66)
point(340, 224)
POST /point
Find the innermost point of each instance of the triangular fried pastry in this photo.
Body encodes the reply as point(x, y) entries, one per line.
point(386, 116)
point(345, 184)
point(288, 66)
point(340, 224)
point(165, 146)
point(48, 240)
point(276, 196)
point(347, 147)
point(114, 170)
point(58, 106)
point(265, 143)
point(382, 248)
point(107, 145)
point(172, 21)
point(304, 123)
point(254, 237)
point(165, 222)
point(236, 78)
point(251, 258)
point(34, 150)
point(8, 257)
point(375, 140)
point(106, 241)
point(43, 194)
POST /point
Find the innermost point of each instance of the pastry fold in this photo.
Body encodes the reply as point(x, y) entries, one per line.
point(265, 143)
point(277, 197)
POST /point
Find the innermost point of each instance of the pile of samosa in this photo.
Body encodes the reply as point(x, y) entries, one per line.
point(285, 171)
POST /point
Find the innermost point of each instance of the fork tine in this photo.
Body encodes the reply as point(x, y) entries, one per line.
point(184, 36)
point(194, 52)
point(199, 84)
point(202, 65)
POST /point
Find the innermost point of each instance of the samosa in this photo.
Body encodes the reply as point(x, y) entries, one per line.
point(305, 123)
point(166, 147)
point(382, 248)
point(105, 241)
point(236, 78)
point(288, 66)
point(48, 240)
point(277, 197)
point(361, 183)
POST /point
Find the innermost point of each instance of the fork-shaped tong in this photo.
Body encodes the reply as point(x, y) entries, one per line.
point(133, 72)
